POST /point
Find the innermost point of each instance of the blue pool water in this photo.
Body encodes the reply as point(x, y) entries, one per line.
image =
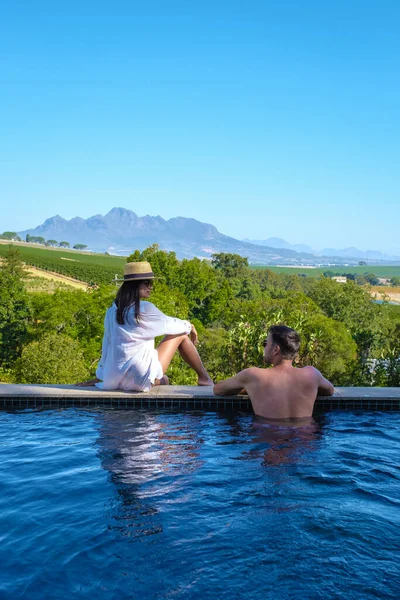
point(140, 504)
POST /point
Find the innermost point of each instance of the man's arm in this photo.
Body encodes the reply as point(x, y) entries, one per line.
point(325, 388)
point(231, 386)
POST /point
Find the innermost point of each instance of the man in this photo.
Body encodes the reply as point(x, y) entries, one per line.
point(282, 392)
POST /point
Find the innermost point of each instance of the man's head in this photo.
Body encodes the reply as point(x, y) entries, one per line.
point(282, 343)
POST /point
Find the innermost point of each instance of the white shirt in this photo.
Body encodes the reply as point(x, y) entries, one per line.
point(129, 360)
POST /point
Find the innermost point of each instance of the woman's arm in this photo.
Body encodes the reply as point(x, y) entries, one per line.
point(157, 323)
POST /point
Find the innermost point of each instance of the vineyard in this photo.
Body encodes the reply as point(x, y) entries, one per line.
point(378, 270)
point(98, 269)
point(93, 269)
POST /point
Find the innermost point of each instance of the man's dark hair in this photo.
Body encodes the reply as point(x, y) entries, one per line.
point(287, 339)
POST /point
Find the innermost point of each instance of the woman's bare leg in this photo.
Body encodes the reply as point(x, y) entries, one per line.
point(171, 343)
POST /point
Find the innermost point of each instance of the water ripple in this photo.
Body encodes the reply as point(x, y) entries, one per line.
point(116, 504)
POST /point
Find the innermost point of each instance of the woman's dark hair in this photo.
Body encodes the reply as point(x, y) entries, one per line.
point(287, 339)
point(128, 296)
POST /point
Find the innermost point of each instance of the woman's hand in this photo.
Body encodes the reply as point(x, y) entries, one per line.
point(193, 335)
point(88, 383)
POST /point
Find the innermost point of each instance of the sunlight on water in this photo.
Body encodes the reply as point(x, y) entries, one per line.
point(113, 504)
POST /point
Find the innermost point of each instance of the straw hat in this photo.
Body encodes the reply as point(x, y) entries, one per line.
point(137, 271)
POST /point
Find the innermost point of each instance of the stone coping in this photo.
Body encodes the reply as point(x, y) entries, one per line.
point(16, 395)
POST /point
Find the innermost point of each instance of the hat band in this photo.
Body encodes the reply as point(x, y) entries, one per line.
point(140, 276)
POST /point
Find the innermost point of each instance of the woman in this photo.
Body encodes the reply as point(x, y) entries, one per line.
point(129, 360)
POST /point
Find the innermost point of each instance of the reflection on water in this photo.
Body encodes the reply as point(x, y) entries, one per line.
point(152, 456)
point(275, 442)
point(160, 505)
point(288, 441)
point(147, 456)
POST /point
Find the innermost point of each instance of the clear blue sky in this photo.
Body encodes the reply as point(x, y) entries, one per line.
point(264, 118)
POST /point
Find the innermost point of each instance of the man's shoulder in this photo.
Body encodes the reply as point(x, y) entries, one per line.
point(308, 368)
point(254, 372)
point(310, 371)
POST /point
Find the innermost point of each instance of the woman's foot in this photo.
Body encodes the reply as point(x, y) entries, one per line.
point(205, 380)
point(163, 381)
point(88, 383)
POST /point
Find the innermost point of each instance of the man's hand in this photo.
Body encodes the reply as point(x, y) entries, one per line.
point(232, 386)
point(87, 383)
point(193, 335)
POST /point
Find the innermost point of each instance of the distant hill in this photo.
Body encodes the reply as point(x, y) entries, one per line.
point(350, 253)
point(121, 231)
point(280, 243)
point(355, 253)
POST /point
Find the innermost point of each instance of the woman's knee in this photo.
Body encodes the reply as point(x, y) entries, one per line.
point(178, 336)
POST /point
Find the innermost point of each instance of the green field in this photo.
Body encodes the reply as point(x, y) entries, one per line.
point(101, 268)
point(379, 271)
point(84, 266)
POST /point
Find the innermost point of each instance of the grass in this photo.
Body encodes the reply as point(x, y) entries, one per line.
point(82, 266)
point(30, 251)
point(387, 289)
point(49, 286)
point(380, 271)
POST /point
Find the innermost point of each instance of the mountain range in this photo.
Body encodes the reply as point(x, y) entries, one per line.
point(121, 231)
point(351, 252)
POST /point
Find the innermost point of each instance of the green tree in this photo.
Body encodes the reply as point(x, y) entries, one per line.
point(134, 257)
point(54, 359)
point(80, 246)
point(371, 278)
point(64, 244)
point(51, 243)
point(196, 280)
point(164, 264)
point(326, 344)
point(14, 309)
point(170, 301)
point(269, 282)
point(9, 235)
point(361, 280)
point(213, 351)
point(292, 283)
point(218, 306)
point(232, 265)
point(75, 313)
point(353, 306)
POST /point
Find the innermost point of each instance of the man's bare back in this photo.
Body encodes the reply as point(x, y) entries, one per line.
point(283, 392)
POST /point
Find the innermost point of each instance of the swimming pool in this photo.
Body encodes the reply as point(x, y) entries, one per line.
point(158, 504)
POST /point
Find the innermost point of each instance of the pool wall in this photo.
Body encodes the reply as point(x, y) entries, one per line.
point(183, 397)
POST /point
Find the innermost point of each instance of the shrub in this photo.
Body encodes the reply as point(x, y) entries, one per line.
point(55, 358)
